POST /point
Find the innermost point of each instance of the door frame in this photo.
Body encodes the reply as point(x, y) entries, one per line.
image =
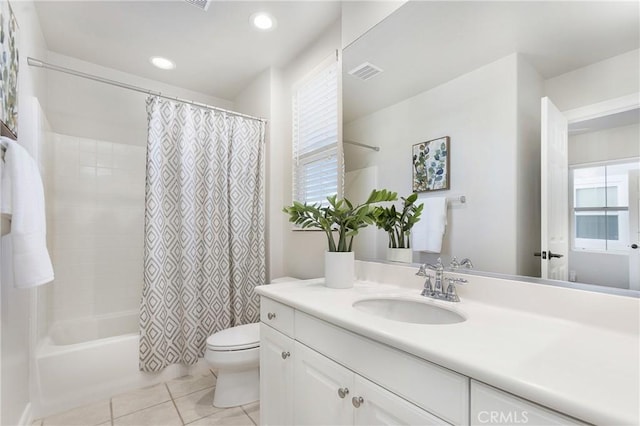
point(600, 109)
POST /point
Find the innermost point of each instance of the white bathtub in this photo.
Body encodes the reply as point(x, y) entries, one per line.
point(87, 360)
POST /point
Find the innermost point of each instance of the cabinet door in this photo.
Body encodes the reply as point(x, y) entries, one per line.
point(322, 390)
point(276, 377)
point(378, 406)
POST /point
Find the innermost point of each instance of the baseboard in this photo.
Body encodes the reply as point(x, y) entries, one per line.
point(27, 416)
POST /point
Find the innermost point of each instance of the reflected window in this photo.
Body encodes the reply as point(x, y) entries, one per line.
point(601, 206)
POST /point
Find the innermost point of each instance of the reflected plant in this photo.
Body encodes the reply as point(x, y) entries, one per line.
point(340, 216)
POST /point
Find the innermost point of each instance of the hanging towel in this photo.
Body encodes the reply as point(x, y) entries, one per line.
point(23, 198)
point(427, 234)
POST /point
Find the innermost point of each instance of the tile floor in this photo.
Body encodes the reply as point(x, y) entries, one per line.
point(183, 401)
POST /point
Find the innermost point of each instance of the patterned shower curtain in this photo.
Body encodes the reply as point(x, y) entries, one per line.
point(204, 229)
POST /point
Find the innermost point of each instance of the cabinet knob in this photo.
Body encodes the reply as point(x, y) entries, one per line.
point(342, 392)
point(271, 315)
point(357, 401)
point(285, 355)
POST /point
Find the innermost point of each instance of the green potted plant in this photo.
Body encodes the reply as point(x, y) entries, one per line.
point(398, 225)
point(340, 220)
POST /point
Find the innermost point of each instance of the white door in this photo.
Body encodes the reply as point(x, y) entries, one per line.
point(276, 377)
point(378, 406)
point(554, 193)
point(634, 229)
point(322, 390)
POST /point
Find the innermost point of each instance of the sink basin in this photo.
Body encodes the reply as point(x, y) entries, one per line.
point(408, 311)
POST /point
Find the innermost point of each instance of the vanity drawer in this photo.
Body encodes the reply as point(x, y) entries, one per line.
point(492, 406)
point(276, 315)
point(436, 389)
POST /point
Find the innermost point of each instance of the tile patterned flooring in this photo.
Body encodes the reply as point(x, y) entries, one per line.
point(183, 401)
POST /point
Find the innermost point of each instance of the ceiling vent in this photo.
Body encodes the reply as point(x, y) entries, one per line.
point(365, 71)
point(200, 4)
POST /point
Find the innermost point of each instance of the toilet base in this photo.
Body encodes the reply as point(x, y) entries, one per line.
point(234, 388)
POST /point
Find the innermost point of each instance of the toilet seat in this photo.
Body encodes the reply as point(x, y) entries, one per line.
point(235, 338)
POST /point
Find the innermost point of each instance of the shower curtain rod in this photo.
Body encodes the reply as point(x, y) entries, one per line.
point(364, 145)
point(41, 64)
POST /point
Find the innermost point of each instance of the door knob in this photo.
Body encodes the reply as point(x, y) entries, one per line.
point(541, 254)
point(551, 255)
point(357, 401)
point(634, 246)
point(342, 392)
point(271, 315)
point(285, 355)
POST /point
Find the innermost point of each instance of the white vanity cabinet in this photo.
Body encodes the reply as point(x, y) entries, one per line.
point(314, 376)
point(276, 357)
point(492, 406)
point(326, 393)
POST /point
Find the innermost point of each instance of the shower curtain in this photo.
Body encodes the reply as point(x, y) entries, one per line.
point(204, 229)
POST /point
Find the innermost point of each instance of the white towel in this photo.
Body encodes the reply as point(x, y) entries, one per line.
point(427, 234)
point(23, 199)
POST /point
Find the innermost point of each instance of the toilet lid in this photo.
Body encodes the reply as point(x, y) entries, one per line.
point(235, 338)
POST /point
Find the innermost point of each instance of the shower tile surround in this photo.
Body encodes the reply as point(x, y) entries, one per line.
point(182, 401)
point(96, 224)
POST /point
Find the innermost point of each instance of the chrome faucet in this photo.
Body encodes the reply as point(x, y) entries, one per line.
point(439, 270)
point(437, 290)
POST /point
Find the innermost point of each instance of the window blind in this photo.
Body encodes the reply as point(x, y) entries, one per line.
point(317, 156)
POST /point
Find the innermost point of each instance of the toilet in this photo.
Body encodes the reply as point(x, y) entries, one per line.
point(235, 353)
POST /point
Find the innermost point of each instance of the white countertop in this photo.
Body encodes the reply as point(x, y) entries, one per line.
point(586, 371)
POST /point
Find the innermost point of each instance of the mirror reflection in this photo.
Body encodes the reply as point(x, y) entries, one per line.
point(476, 72)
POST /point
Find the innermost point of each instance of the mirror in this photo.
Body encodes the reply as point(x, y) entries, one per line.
point(476, 72)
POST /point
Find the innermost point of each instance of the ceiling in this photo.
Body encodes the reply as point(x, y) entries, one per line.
point(425, 44)
point(216, 52)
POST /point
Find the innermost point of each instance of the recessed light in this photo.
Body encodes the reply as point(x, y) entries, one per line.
point(263, 21)
point(162, 63)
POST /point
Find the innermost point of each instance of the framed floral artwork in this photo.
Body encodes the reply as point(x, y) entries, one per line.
point(8, 69)
point(431, 165)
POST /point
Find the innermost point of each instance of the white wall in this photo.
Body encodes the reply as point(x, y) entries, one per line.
point(529, 92)
point(609, 79)
point(16, 305)
point(303, 251)
point(88, 109)
point(609, 144)
point(479, 111)
point(259, 99)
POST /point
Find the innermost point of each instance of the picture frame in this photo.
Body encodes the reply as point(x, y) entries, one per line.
point(9, 61)
point(431, 165)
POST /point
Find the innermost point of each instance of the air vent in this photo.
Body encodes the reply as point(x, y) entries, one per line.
point(201, 4)
point(365, 71)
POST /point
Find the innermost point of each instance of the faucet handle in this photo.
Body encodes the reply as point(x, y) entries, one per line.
point(422, 272)
point(466, 262)
point(454, 264)
point(428, 288)
point(452, 295)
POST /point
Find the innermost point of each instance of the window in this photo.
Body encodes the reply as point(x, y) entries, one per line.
point(317, 153)
point(601, 206)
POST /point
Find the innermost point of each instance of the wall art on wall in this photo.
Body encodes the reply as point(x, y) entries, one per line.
point(431, 165)
point(8, 69)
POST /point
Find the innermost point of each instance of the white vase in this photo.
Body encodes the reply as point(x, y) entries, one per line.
point(339, 269)
point(404, 255)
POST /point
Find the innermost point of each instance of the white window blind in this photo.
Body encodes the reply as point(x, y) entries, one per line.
point(317, 155)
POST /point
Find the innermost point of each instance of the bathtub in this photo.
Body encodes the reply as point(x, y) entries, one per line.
point(91, 359)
